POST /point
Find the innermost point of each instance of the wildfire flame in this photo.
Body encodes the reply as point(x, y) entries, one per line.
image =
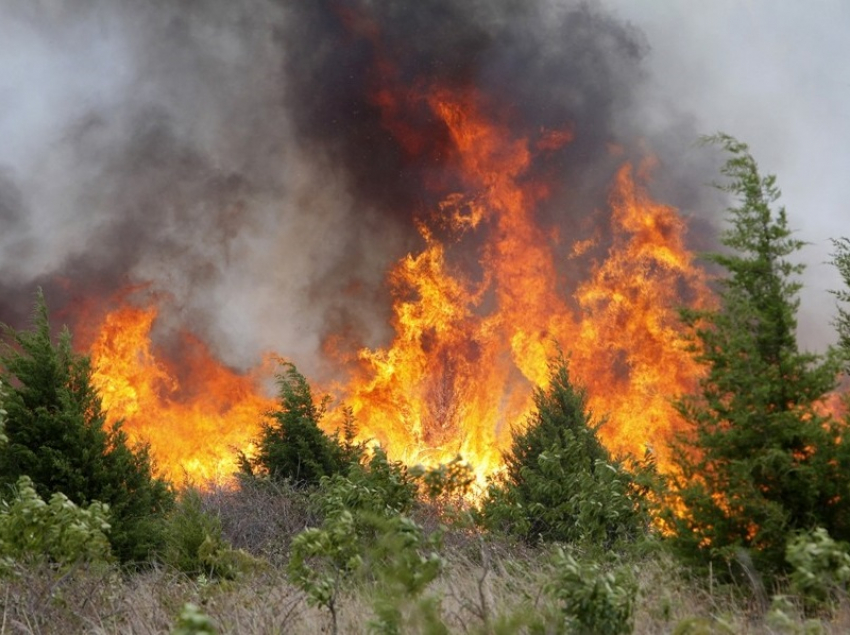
point(194, 416)
point(478, 312)
point(467, 354)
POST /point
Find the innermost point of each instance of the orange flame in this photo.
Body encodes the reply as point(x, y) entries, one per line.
point(466, 354)
point(468, 349)
point(194, 424)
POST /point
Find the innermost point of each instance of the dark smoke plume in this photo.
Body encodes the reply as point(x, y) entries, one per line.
point(231, 156)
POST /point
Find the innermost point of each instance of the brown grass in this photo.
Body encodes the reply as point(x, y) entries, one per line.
point(475, 593)
point(485, 585)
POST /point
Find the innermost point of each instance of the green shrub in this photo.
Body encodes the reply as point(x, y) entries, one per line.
point(58, 437)
point(364, 535)
point(58, 531)
point(594, 600)
point(820, 567)
point(560, 483)
point(447, 482)
point(757, 458)
point(381, 486)
point(193, 621)
point(195, 545)
point(292, 446)
point(3, 438)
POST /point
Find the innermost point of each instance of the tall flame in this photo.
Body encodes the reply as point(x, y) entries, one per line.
point(194, 414)
point(478, 312)
point(467, 354)
point(468, 350)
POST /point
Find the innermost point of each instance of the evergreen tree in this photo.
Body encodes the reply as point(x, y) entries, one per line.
point(560, 482)
point(291, 444)
point(758, 459)
point(841, 260)
point(58, 437)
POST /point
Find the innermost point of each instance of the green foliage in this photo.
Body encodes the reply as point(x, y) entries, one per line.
point(714, 625)
point(447, 482)
point(292, 446)
point(820, 567)
point(758, 459)
point(57, 435)
point(560, 482)
point(58, 531)
point(594, 600)
point(365, 535)
point(841, 260)
point(193, 621)
point(783, 617)
point(402, 563)
point(195, 545)
point(3, 438)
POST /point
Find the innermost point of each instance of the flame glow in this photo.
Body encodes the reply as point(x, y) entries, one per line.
point(478, 311)
point(193, 424)
point(468, 351)
point(467, 354)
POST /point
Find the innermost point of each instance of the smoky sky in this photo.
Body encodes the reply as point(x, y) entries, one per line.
point(772, 74)
point(231, 156)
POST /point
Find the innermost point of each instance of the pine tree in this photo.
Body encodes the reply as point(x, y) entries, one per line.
point(758, 459)
point(291, 444)
point(560, 482)
point(58, 436)
point(841, 260)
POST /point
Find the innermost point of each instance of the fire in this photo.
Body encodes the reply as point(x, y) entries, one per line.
point(478, 312)
point(467, 353)
point(629, 352)
point(468, 349)
point(194, 416)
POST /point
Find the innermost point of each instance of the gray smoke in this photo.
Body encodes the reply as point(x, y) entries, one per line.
point(230, 154)
point(773, 75)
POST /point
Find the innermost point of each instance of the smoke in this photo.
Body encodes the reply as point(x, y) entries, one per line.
point(232, 156)
point(766, 72)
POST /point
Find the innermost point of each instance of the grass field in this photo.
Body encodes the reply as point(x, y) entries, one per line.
point(488, 585)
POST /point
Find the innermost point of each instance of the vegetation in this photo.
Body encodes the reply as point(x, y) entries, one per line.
point(593, 599)
point(325, 534)
point(841, 260)
point(560, 483)
point(759, 460)
point(57, 531)
point(58, 437)
point(194, 543)
point(292, 446)
point(820, 568)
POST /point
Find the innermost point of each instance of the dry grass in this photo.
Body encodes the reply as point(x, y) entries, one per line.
point(476, 592)
point(485, 585)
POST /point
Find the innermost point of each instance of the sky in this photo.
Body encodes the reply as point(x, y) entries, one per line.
point(775, 74)
point(121, 149)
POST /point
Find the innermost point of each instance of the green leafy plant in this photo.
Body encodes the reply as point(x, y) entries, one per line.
point(195, 545)
point(365, 536)
point(58, 437)
point(758, 458)
point(560, 481)
point(3, 438)
point(594, 600)
point(820, 568)
point(193, 621)
point(58, 530)
point(841, 260)
point(402, 563)
point(292, 446)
